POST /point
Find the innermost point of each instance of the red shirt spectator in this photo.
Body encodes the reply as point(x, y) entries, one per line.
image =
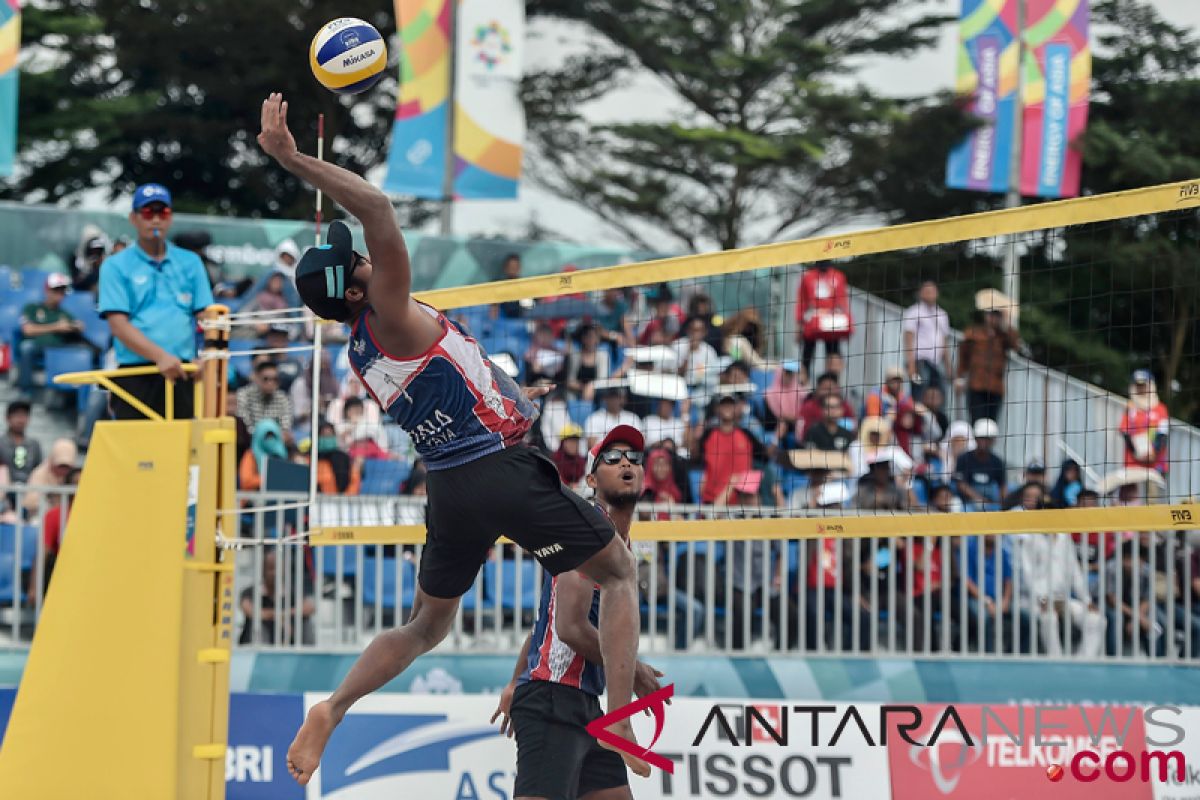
point(823, 568)
point(823, 290)
point(728, 452)
point(812, 410)
point(1145, 425)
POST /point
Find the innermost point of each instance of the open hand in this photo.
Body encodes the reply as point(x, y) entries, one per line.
point(276, 140)
point(502, 712)
point(645, 680)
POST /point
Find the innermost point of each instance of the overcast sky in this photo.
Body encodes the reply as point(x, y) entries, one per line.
point(933, 70)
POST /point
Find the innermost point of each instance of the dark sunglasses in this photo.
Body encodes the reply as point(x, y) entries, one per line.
point(614, 456)
point(151, 211)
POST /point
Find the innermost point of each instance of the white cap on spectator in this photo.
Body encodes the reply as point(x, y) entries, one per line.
point(287, 247)
point(57, 280)
point(833, 493)
point(986, 429)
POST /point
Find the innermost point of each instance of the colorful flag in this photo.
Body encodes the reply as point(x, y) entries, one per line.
point(987, 77)
point(489, 123)
point(1058, 76)
point(10, 48)
point(417, 159)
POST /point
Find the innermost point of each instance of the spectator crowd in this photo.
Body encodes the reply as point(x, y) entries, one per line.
point(732, 429)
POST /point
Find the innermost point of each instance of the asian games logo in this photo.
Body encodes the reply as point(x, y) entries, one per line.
point(492, 44)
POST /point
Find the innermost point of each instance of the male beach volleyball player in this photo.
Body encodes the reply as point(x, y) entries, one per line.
point(467, 419)
point(559, 677)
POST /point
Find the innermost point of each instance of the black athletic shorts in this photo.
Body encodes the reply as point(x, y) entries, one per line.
point(556, 757)
point(517, 493)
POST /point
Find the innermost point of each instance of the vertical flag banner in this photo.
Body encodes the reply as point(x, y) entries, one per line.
point(987, 75)
point(10, 48)
point(1058, 76)
point(417, 159)
point(489, 119)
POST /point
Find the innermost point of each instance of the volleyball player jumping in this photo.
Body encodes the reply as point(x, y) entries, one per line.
point(467, 419)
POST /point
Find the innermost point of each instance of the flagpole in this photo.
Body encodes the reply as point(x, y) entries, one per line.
point(1012, 262)
point(447, 215)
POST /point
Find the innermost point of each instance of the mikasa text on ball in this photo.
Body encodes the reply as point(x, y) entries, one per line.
point(348, 56)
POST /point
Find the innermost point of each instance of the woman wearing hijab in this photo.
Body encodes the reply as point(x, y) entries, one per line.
point(660, 485)
point(266, 441)
point(784, 397)
point(1065, 493)
point(337, 473)
point(51, 472)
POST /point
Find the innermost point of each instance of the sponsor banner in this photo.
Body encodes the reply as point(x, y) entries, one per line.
point(10, 49)
point(261, 727)
point(6, 703)
point(987, 79)
point(993, 767)
point(1172, 788)
point(489, 122)
point(1058, 75)
point(417, 158)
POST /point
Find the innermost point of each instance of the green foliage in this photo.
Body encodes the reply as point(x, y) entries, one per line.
point(763, 146)
point(115, 93)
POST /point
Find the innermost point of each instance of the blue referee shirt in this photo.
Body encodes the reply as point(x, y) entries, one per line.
point(160, 297)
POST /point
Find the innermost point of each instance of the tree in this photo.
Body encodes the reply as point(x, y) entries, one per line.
point(115, 93)
point(767, 123)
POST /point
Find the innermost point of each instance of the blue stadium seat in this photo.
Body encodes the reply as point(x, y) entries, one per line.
point(329, 563)
point(580, 410)
point(11, 591)
point(373, 583)
point(242, 365)
point(35, 279)
point(61, 360)
point(96, 331)
point(6, 277)
point(10, 322)
point(506, 586)
point(80, 304)
point(474, 318)
point(695, 479)
point(384, 476)
point(21, 297)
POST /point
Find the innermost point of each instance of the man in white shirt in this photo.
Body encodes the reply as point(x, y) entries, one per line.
point(607, 418)
point(699, 363)
point(666, 424)
point(926, 341)
point(1055, 589)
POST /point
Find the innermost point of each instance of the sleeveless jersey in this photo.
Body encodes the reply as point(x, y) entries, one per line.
point(452, 400)
point(550, 659)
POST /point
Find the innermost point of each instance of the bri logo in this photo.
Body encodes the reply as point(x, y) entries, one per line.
point(656, 703)
point(371, 746)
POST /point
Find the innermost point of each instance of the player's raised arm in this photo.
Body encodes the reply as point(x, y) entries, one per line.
point(392, 274)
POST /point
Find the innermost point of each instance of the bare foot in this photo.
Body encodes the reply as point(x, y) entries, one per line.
point(624, 730)
point(304, 756)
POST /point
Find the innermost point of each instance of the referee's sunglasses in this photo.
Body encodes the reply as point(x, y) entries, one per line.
point(613, 457)
point(149, 212)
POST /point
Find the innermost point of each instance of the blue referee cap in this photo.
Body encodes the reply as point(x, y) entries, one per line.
point(149, 193)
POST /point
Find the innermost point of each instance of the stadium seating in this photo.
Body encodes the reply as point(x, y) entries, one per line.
point(383, 590)
point(18, 549)
point(502, 583)
point(384, 476)
point(242, 364)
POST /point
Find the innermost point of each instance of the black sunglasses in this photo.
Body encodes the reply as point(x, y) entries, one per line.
point(614, 456)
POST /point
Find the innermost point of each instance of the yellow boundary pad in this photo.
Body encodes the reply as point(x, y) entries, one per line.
point(1091, 520)
point(1063, 213)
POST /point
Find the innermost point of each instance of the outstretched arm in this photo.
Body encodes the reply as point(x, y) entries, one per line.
point(392, 275)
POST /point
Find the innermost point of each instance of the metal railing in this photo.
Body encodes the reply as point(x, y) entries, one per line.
point(1093, 597)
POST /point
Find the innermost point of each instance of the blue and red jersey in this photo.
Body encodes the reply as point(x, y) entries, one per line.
point(551, 659)
point(452, 400)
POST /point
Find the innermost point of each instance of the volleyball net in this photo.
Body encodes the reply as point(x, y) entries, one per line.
point(910, 380)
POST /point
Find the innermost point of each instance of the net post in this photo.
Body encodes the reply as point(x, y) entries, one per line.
point(214, 376)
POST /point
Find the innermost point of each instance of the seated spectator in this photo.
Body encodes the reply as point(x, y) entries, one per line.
point(829, 434)
point(262, 399)
point(286, 256)
point(277, 612)
point(266, 441)
point(878, 490)
point(819, 493)
point(1055, 588)
point(610, 416)
point(19, 453)
point(45, 324)
point(54, 525)
point(889, 400)
point(660, 483)
point(924, 558)
point(699, 363)
point(587, 364)
point(990, 593)
point(813, 409)
point(369, 443)
point(701, 306)
point(875, 442)
point(569, 457)
point(664, 424)
point(830, 591)
point(908, 428)
point(1035, 474)
point(613, 320)
point(751, 586)
point(933, 423)
point(744, 339)
point(85, 266)
point(289, 365)
point(784, 400)
point(337, 473)
point(1137, 595)
point(943, 500)
point(1145, 425)
point(272, 297)
point(666, 320)
point(510, 270)
point(728, 452)
point(52, 472)
point(545, 360)
point(1065, 493)
point(980, 474)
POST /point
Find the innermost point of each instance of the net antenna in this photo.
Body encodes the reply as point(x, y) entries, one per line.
point(317, 354)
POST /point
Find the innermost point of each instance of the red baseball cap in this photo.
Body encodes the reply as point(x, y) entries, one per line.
point(621, 434)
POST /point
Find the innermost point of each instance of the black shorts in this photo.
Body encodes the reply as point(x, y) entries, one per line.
point(516, 493)
point(556, 757)
point(152, 390)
